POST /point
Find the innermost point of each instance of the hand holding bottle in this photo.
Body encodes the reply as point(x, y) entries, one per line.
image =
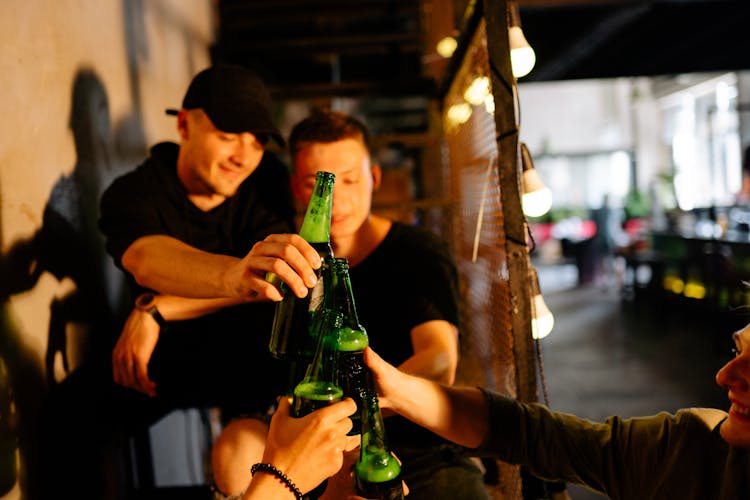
point(293, 311)
point(457, 413)
point(292, 259)
point(310, 449)
point(389, 380)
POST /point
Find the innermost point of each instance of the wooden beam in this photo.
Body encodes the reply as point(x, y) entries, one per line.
point(422, 87)
point(514, 221)
point(336, 44)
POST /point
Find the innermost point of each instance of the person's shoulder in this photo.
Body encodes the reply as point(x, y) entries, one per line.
point(416, 237)
point(270, 186)
point(271, 170)
point(417, 233)
point(164, 152)
point(690, 421)
point(710, 417)
point(162, 159)
point(155, 173)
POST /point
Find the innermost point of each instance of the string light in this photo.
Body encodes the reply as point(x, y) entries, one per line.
point(478, 90)
point(536, 199)
point(446, 46)
point(522, 56)
point(459, 113)
point(542, 320)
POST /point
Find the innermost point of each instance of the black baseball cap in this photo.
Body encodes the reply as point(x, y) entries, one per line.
point(234, 98)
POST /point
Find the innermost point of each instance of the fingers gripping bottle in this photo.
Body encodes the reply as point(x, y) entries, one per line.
point(290, 331)
point(351, 341)
point(377, 474)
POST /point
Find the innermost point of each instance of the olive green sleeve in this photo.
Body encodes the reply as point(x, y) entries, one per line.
point(621, 458)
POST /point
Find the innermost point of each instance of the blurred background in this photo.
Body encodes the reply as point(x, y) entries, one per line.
point(634, 116)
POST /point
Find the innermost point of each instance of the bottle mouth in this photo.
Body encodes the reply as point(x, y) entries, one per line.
point(379, 468)
point(319, 391)
point(350, 340)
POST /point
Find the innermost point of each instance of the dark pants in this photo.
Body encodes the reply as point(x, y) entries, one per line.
point(220, 361)
point(441, 472)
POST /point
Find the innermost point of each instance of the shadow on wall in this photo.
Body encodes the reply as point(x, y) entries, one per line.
point(130, 137)
point(21, 387)
point(82, 323)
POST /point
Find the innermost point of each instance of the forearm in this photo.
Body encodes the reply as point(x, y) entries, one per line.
point(458, 414)
point(433, 364)
point(174, 308)
point(435, 346)
point(169, 266)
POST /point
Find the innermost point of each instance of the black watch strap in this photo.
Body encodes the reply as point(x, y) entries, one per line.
point(154, 312)
point(145, 303)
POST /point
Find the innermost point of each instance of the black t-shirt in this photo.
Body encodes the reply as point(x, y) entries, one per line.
point(151, 200)
point(409, 279)
point(222, 358)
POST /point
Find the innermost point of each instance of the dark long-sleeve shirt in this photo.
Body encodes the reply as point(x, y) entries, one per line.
point(664, 456)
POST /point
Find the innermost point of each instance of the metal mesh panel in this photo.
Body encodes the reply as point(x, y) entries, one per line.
point(479, 247)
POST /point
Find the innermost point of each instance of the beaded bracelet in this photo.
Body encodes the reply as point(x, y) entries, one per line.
point(270, 469)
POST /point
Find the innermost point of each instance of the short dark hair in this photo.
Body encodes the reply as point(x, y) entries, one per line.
point(325, 125)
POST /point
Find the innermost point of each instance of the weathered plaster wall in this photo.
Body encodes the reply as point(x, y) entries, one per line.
point(84, 87)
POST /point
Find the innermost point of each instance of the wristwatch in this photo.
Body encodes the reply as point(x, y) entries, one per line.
point(145, 302)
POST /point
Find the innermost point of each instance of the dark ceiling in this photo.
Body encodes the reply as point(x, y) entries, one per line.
point(308, 49)
point(636, 38)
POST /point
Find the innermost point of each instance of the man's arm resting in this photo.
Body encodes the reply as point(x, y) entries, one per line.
point(173, 267)
point(174, 308)
point(140, 334)
point(170, 266)
point(435, 345)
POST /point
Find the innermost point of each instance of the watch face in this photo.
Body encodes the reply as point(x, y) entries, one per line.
point(144, 300)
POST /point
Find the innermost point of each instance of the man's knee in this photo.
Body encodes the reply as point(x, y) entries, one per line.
point(237, 448)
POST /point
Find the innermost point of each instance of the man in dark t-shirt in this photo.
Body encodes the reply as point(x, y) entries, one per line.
point(405, 286)
point(199, 345)
point(196, 228)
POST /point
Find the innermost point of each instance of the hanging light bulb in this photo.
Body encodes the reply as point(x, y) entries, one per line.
point(522, 56)
point(542, 320)
point(459, 113)
point(489, 104)
point(478, 91)
point(537, 198)
point(446, 46)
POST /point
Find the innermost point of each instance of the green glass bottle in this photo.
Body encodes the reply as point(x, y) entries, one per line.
point(320, 386)
point(354, 375)
point(290, 330)
point(377, 474)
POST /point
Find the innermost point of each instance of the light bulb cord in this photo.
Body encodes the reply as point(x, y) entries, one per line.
point(538, 343)
point(542, 377)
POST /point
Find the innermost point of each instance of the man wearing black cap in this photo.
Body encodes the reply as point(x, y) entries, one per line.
point(196, 228)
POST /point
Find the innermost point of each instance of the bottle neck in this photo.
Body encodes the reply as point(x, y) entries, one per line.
point(316, 226)
point(374, 440)
point(352, 336)
point(348, 308)
point(323, 365)
point(344, 294)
